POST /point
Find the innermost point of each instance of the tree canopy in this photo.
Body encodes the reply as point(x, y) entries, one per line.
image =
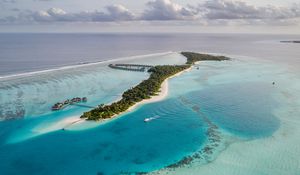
point(147, 88)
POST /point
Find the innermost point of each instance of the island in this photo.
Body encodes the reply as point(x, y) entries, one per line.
point(292, 41)
point(147, 88)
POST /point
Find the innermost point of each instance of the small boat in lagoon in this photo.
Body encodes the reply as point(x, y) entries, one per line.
point(151, 118)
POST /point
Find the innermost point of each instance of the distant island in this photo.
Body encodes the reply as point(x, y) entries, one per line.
point(147, 88)
point(293, 41)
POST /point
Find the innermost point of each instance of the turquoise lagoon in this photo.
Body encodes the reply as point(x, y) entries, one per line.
point(208, 111)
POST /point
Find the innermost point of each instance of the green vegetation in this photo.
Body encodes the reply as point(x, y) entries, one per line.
point(146, 88)
point(194, 57)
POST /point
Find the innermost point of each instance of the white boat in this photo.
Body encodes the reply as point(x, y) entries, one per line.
point(151, 118)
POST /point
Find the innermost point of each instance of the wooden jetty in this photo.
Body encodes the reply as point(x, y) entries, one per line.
point(131, 67)
point(82, 105)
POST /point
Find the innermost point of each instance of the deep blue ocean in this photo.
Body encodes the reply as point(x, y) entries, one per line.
point(206, 110)
point(31, 52)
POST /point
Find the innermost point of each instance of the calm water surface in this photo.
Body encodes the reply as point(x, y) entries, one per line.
point(28, 52)
point(232, 99)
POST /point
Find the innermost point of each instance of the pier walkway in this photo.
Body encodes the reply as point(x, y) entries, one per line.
point(131, 67)
point(82, 105)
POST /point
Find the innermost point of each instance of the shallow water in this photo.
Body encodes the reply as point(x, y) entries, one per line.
point(127, 144)
point(258, 121)
point(124, 145)
point(223, 118)
point(35, 94)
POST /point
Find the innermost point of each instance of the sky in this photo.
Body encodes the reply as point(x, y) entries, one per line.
point(188, 16)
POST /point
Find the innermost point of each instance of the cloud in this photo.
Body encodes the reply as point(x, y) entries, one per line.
point(160, 10)
point(166, 10)
point(9, 1)
point(213, 12)
point(119, 13)
point(239, 12)
point(113, 13)
point(15, 9)
point(222, 9)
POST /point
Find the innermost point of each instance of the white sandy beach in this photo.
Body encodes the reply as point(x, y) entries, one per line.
point(71, 121)
point(162, 95)
point(164, 91)
point(62, 124)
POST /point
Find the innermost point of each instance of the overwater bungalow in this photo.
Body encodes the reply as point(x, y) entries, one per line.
point(61, 105)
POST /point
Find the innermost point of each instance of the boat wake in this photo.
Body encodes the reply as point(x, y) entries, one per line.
point(151, 118)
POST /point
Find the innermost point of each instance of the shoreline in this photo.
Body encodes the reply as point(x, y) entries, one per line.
point(157, 84)
point(164, 91)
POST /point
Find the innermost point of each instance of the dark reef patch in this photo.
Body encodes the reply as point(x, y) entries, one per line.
point(213, 141)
